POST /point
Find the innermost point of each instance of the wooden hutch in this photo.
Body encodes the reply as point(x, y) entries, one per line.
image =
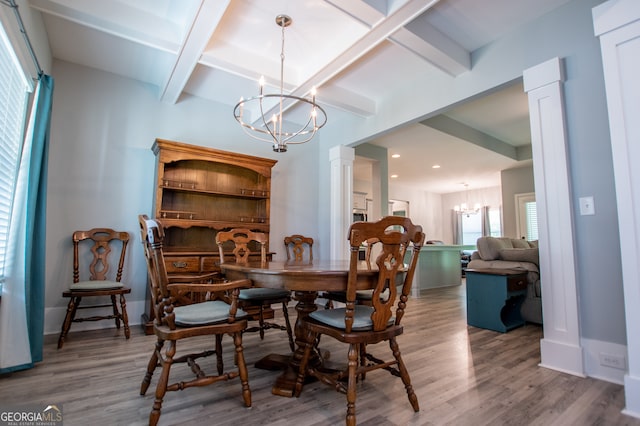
point(200, 191)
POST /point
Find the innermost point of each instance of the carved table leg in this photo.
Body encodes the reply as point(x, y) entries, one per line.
point(286, 382)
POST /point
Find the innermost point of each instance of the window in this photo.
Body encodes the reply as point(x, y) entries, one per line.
point(532, 220)
point(471, 228)
point(527, 216)
point(14, 89)
point(495, 222)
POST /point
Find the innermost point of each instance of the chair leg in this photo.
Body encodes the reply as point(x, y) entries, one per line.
point(219, 361)
point(404, 375)
point(242, 369)
point(287, 323)
point(351, 385)
point(116, 314)
point(72, 307)
point(261, 322)
point(125, 316)
point(161, 388)
point(363, 359)
point(151, 366)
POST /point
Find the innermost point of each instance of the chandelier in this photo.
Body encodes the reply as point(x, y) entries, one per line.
point(274, 130)
point(464, 208)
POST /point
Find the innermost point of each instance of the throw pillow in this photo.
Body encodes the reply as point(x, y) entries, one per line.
point(520, 255)
point(519, 243)
point(489, 247)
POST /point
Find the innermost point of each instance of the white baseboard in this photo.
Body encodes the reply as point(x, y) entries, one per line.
point(596, 353)
point(561, 356)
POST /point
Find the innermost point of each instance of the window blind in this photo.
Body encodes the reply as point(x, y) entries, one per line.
point(13, 105)
point(532, 221)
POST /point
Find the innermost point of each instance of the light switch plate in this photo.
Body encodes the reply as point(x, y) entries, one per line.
point(586, 206)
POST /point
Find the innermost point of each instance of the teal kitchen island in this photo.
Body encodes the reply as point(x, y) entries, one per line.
point(439, 266)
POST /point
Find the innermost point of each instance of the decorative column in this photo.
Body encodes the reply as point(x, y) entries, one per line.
point(341, 209)
point(560, 348)
point(617, 24)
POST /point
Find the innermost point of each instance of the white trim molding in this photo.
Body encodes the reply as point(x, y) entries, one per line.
point(560, 348)
point(341, 158)
point(617, 24)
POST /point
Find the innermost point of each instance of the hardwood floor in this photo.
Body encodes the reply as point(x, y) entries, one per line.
point(462, 376)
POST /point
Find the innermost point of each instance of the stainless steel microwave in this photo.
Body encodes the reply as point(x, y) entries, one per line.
point(359, 217)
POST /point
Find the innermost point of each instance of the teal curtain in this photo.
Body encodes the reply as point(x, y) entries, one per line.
point(22, 314)
point(36, 217)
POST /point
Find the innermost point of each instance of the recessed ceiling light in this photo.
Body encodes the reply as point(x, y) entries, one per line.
point(395, 155)
point(435, 166)
point(394, 176)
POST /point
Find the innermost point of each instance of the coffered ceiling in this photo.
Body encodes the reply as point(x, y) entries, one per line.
point(358, 53)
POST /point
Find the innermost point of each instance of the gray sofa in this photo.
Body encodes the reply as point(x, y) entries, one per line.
point(512, 253)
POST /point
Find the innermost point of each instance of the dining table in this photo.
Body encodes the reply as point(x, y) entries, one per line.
point(305, 279)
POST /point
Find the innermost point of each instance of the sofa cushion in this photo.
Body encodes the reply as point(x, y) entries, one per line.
point(489, 247)
point(506, 264)
point(520, 255)
point(520, 243)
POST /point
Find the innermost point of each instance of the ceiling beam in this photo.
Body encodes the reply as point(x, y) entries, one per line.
point(462, 131)
point(205, 21)
point(346, 100)
point(360, 10)
point(418, 36)
point(434, 47)
point(119, 22)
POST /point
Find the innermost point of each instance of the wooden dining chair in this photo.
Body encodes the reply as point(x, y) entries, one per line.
point(295, 248)
point(96, 273)
point(218, 315)
point(360, 325)
point(241, 241)
point(362, 296)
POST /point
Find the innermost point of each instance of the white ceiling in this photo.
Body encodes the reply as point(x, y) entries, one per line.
point(502, 116)
point(217, 50)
